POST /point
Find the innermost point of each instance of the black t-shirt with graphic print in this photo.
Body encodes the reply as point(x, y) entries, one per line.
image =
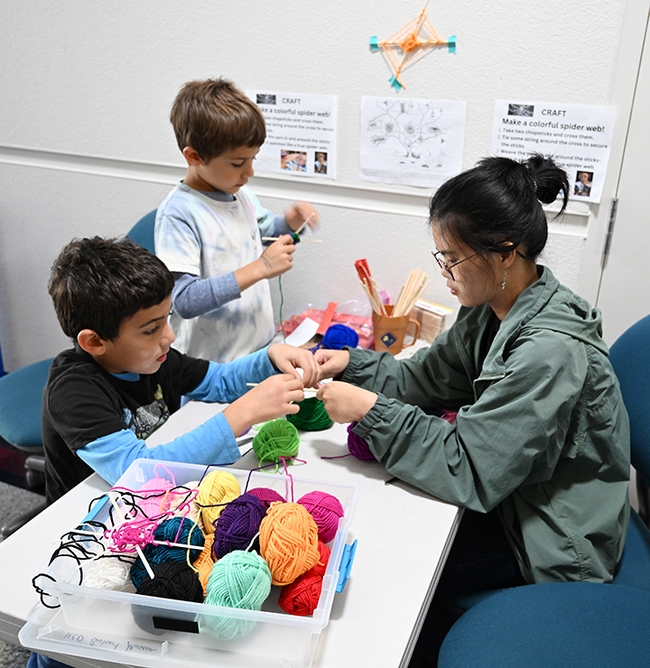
point(83, 402)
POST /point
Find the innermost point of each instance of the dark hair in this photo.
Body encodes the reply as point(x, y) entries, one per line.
point(97, 283)
point(214, 116)
point(497, 205)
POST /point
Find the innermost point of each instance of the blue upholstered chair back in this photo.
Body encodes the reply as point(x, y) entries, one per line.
point(630, 357)
point(142, 231)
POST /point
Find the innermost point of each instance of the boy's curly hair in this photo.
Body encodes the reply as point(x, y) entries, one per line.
point(98, 283)
point(214, 116)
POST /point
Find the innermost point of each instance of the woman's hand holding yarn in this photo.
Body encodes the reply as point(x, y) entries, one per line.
point(331, 362)
point(345, 402)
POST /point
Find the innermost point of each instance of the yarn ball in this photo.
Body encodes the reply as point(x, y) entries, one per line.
point(239, 580)
point(326, 511)
point(266, 495)
point(337, 336)
point(155, 500)
point(204, 562)
point(217, 489)
point(109, 573)
point(173, 579)
point(238, 525)
point(357, 446)
point(175, 530)
point(312, 415)
point(302, 595)
point(276, 439)
point(288, 541)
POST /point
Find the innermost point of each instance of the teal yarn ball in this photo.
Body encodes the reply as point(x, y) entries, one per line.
point(311, 417)
point(238, 580)
point(276, 439)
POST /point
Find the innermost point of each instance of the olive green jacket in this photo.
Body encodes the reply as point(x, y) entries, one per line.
point(541, 430)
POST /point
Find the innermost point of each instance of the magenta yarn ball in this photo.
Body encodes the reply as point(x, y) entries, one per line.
point(237, 525)
point(326, 511)
point(266, 495)
point(357, 446)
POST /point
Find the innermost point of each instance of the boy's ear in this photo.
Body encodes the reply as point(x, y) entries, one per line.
point(192, 157)
point(91, 342)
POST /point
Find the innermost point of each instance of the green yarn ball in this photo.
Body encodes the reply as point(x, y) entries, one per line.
point(312, 416)
point(276, 439)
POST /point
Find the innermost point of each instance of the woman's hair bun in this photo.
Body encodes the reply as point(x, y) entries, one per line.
point(550, 180)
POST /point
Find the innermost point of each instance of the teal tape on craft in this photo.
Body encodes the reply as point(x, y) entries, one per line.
point(451, 44)
point(395, 83)
point(374, 44)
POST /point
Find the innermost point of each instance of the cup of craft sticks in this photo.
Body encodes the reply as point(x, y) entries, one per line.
point(391, 322)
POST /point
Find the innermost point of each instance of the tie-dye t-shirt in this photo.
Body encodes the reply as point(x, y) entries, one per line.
point(204, 237)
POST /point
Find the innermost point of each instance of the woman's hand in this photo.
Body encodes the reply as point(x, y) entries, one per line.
point(331, 362)
point(289, 358)
point(345, 402)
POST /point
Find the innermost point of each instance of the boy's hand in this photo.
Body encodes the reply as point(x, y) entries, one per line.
point(345, 402)
point(331, 362)
point(297, 214)
point(288, 358)
point(272, 398)
point(277, 258)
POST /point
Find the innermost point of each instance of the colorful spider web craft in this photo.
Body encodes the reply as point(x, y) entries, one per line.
point(409, 44)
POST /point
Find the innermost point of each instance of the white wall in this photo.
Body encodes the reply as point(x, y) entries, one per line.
point(86, 146)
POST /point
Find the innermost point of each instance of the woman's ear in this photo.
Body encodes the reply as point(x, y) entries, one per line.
point(91, 342)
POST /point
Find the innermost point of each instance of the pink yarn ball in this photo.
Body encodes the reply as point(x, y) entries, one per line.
point(357, 446)
point(326, 511)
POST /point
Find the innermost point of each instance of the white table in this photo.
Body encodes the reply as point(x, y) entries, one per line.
point(404, 536)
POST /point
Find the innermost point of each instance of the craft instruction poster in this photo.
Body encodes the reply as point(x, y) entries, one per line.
point(300, 133)
point(577, 136)
point(415, 142)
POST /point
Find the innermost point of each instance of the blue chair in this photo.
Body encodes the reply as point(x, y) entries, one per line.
point(21, 399)
point(556, 625)
point(142, 231)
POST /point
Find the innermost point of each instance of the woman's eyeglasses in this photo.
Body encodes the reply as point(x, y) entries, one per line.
point(448, 267)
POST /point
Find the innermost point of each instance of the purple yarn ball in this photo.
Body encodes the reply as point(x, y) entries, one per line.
point(267, 496)
point(357, 446)
point(237, 525)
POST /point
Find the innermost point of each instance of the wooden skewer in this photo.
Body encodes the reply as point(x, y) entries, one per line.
point(302, 227)
point(309, 241)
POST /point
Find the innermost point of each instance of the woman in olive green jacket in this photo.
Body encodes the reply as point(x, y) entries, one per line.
point(541, 439)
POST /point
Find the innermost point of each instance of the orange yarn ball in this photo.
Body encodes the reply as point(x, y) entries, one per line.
point(288, 541)
point(204, 562)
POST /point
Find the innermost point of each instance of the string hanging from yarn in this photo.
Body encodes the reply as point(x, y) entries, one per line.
point(326, 510)
point(239, 523)
point(204, 563)
point(174, 530)
point(240, 580)
point(357, 446)
point(288, 541)
point(302, 595)
point(276, 440)
point(312, 415)
point(216, 490)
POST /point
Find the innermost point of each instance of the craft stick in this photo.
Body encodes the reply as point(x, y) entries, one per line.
point(306, 390)
point(302, 227)
point(138, 549)
point(309, 241)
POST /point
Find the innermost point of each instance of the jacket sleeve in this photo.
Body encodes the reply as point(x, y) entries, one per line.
point(512, 434)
